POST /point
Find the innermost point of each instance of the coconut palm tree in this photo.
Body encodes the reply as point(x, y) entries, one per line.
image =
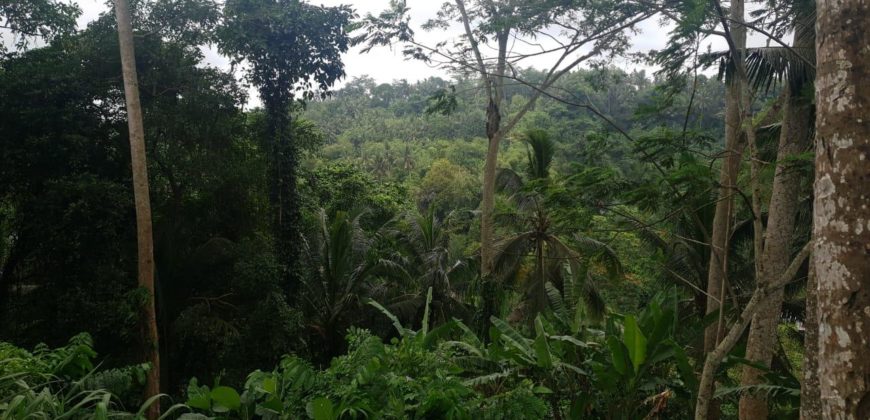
point(432, 262)
point(346, 267)
point(541, 252)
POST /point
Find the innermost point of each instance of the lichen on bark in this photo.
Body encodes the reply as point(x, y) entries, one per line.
point(841, 210)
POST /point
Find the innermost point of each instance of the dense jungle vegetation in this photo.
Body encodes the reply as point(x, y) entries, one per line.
point(506, 241)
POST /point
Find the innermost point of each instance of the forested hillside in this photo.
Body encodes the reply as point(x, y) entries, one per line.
point(541, 231)
point(392, 129)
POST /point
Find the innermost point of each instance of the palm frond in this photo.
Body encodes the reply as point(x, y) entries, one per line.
point(768, 67)
point(769, 390)
point(489, 378)
point(646, 234)
point(541, 150)
point(600, 252)
point(508, 181)
point(592, 299)
point(509, 255)
point(560, 309)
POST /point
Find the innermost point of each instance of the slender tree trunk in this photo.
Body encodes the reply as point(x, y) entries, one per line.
point(494, 135)
point(487, 204)
point(142, 201)
point(811, 404)
point(842, 206)
point(721, 229)
point(714, 358)
point(784, 202)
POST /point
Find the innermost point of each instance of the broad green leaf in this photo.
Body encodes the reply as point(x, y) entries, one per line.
point(225, 399)
point(687, 374)
point(438, 332)
point(570, 339)
point(396, 323)
point(191, 416)
point(198, 396)
point(470, 335)
point(270, 385)
point(512, 337)
point(617, 354)
point(635, 342)
point(557, 303)
point(542, 348)
point(542, 390)
point(320, 409)
point(272, 404)
point(101, 411)
point(148, 402)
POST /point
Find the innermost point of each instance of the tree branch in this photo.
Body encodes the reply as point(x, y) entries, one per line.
point(714, 358)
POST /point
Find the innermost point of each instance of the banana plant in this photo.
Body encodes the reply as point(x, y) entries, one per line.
point(640, 351)
point(552, 362)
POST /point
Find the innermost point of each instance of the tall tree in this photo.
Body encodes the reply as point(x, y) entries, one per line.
point(784, 204)
point(842, 206)
point(294, 52)
point(36, 19)
point(28, 20)
point(583, 30)
point(717, 281)
point(145, 243)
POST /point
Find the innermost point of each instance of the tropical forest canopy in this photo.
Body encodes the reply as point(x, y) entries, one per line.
point(579, 240)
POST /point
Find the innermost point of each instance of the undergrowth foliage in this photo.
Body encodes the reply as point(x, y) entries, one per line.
point(64, 383)
point(631, 368)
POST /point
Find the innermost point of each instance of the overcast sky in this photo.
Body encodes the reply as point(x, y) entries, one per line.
point(385, 65)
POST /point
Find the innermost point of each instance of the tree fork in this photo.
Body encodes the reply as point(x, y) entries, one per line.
point(715, 357)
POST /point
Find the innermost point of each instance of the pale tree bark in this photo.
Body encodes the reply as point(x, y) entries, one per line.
point(142, 201)
point(811, 404)
point(497, 129)
point(774, 258)
point(842, 206)
point(720, 232)
point(721, 229)
point(714, 358)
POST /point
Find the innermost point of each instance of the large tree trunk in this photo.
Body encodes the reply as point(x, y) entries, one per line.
point(811, 404)
point(283, 194)
point(142, 201)
point(784, 202)
point(842, 206)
